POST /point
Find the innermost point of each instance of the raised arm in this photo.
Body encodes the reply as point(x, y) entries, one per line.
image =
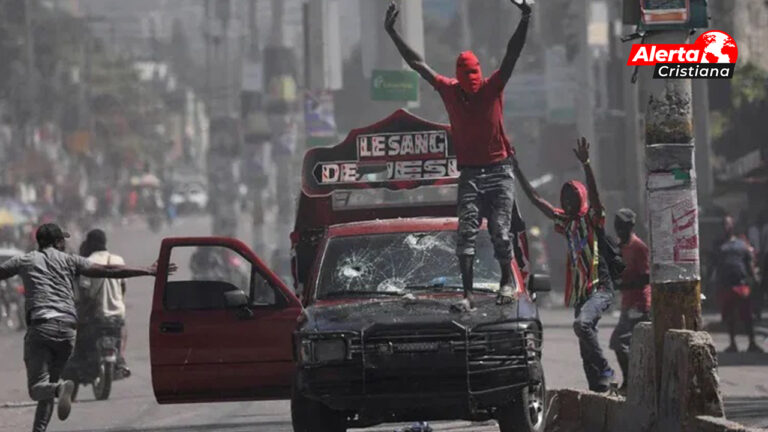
point(515, 44)
point(543, 205)
point(414, 60)
point(582, 153)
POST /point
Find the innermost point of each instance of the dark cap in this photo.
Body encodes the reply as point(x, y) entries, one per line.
point(48, 234)
point(627, 215)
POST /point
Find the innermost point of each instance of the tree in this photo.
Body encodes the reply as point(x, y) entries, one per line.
point(740, 127)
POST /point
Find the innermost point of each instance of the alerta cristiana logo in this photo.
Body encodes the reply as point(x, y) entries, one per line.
point(712, 56)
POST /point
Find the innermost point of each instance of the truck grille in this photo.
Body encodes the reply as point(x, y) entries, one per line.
point(397, 361)
point(443, 360)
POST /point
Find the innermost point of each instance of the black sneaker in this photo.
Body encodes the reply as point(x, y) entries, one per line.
point(65, 399)
point(605, 382)
point(755, 348)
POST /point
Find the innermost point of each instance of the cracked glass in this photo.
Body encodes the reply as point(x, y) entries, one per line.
point(402, 263)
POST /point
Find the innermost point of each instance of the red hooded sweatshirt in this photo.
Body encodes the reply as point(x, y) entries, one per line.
point(475, 109)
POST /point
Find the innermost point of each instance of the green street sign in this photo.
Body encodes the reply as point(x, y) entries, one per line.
point(394, 85)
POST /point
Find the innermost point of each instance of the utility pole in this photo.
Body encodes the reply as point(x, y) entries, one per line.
point(585, 93)
point(672, 201)
point(632, 138)
point(256, 131)
point(466, 31)
point(207, 37)
point(31, 73)
point(705, 178)
point(224, 133)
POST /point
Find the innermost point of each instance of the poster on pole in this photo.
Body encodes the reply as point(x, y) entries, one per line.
point(673, 211)
point(319, 118)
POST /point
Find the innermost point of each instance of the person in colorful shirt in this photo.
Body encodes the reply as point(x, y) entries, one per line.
point(486, 184)
point(734, 268)
point(635, 288)
point(589, 287)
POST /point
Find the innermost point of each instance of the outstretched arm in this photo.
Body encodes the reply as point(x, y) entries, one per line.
point(582, 153)
point(543, 205)
point(415, 60)
point(515, 44)
point(122, 272)
point(10, 268)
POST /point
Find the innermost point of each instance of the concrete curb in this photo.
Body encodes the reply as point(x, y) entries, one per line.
point(579, 410)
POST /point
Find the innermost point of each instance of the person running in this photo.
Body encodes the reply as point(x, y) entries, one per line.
point(635, 288)
point(107, 296)
point(486, 183)
point(733, 270)
point(49, 275)
point(589, 287)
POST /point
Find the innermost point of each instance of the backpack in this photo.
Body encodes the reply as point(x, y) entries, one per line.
point(609, 250)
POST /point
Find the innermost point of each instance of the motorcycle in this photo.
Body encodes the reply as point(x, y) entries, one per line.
point(12, 305)
point(95, 360)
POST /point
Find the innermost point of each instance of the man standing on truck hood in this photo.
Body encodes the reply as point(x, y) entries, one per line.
point(49, 276)
point(486, 183)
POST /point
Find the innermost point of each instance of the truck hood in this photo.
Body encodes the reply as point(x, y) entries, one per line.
point(359, 315)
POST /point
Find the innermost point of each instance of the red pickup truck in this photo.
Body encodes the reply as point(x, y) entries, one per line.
point(371, 338)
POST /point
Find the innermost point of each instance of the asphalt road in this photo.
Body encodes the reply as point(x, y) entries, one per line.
point(132, 406)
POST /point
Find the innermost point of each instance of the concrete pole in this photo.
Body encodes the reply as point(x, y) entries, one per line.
point(29, 51)
point(207, 38)
point(585, 93)
point(705, 178)
point(227, 72)
point(466, 30)
point(672, 202)
point(277, 37)
point(634, 156)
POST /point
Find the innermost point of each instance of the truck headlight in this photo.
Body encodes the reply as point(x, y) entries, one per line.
point(323, 350)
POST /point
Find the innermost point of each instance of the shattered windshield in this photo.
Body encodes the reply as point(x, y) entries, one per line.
point(401, 263)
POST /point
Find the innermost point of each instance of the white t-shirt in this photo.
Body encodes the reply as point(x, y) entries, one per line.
point(106, 292)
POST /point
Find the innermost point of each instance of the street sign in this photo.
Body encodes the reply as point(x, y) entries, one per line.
point(666, 14)
point(319, 118)
point(394, 85)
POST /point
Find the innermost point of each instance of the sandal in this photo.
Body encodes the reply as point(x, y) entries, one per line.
point(506, 295)
point(464, 306)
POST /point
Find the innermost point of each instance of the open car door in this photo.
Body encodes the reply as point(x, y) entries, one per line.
point(221, 327)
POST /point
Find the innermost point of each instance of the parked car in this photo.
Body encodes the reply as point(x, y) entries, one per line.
point(372, 338)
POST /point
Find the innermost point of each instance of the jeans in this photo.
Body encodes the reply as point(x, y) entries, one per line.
point(47, 347)
point(587, 315)
point(486, 192)
point(621, 338)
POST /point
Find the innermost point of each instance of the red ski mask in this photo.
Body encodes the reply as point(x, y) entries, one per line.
point(468, 72)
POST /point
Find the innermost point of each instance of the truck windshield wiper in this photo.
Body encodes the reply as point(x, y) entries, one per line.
point(433, 287)
point(443, 287)
point(357, 293)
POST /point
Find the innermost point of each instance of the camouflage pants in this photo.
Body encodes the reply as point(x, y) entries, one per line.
point(486, 193)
